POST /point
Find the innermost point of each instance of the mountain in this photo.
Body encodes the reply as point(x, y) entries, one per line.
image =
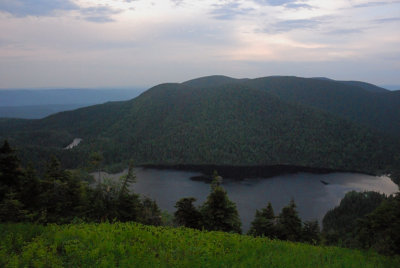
point(241, 123)
point(360, 102)
point(363, 85)
point(37, 111)
point(39, 103)
point(26, 97)
point(367, 86)
point(212, 81)
point(379, 111)
point(392, 87)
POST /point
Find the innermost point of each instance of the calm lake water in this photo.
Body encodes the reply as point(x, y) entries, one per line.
point(312, 197)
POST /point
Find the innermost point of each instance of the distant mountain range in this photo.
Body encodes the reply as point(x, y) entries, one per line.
point(225, 121)
point(34, 104)
point(392, 87)
point(37, 111)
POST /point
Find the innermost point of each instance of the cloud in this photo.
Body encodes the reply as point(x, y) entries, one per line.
point(72, 37)
point(24, 8)
point(274, 2)
point(229, 11)
point(99, 14)
point(289, 25)
point(290, 4)
point(372, 4)
point(178, 2)
point(344, 31)
point(298, 5)
point(387, 20)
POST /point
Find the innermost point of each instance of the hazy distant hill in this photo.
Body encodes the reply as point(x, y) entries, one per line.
point(392, 87)
point(24, 97)
point(241, 123)
point(34, 104)
point(37, 111)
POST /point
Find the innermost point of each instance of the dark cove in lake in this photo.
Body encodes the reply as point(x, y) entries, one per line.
point(314, 194)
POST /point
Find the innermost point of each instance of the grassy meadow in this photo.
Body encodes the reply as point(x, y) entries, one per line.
point(136, 245)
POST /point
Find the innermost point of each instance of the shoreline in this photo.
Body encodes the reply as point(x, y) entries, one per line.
point(242, 172)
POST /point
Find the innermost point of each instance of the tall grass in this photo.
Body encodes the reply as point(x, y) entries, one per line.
point(135, 245)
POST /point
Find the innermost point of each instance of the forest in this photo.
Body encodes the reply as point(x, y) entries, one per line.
point(222, 121)
point(59, 196)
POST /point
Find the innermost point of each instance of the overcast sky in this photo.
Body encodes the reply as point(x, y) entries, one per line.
point(99, 43)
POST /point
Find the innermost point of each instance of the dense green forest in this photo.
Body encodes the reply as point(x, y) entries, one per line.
point(59, 196)
point(356, 101)
point(237, 122)
point(283, 121)
point(56, 219)
point(377, 110)
point(365, 220)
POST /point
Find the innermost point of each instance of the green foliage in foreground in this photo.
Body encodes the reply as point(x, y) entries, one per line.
point(341, 224)
point(135, 245)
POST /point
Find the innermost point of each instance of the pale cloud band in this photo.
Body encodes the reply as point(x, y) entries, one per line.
point(25, 8)
point(122, 42)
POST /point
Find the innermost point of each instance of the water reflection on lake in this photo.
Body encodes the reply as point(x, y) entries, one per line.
point(314, 194)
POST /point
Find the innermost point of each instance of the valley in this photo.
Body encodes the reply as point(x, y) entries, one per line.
point(176, 133)
point(224, 121)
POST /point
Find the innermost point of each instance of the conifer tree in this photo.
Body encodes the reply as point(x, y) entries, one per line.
point(126, 180)
point(311, 232)
point(128, 204)
point(187, 214)
point(150, 213)
point(218, 212)
point(289, 223)
point(11, 209)
point(264, 223)
point(11, 176)
point(10, 170)
point(60, 194)
point(95, 161)
point(30, 190)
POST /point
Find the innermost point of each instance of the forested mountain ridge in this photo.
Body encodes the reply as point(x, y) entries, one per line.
point(366, 86)
point(360, 102)
point(212, 81)
point(237, 122)
point(380, 111)
point(363, 85)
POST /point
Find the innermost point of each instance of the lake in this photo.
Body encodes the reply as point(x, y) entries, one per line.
point(314, 194)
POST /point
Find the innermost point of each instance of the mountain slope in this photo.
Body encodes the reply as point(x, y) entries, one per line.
point(212, 81)
point(380, 111)
point(232, 124)
point(366, 86)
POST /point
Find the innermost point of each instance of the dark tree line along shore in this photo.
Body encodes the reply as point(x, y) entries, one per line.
point(363, 220)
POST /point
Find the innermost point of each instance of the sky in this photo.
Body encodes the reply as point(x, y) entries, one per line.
point(123, 43)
